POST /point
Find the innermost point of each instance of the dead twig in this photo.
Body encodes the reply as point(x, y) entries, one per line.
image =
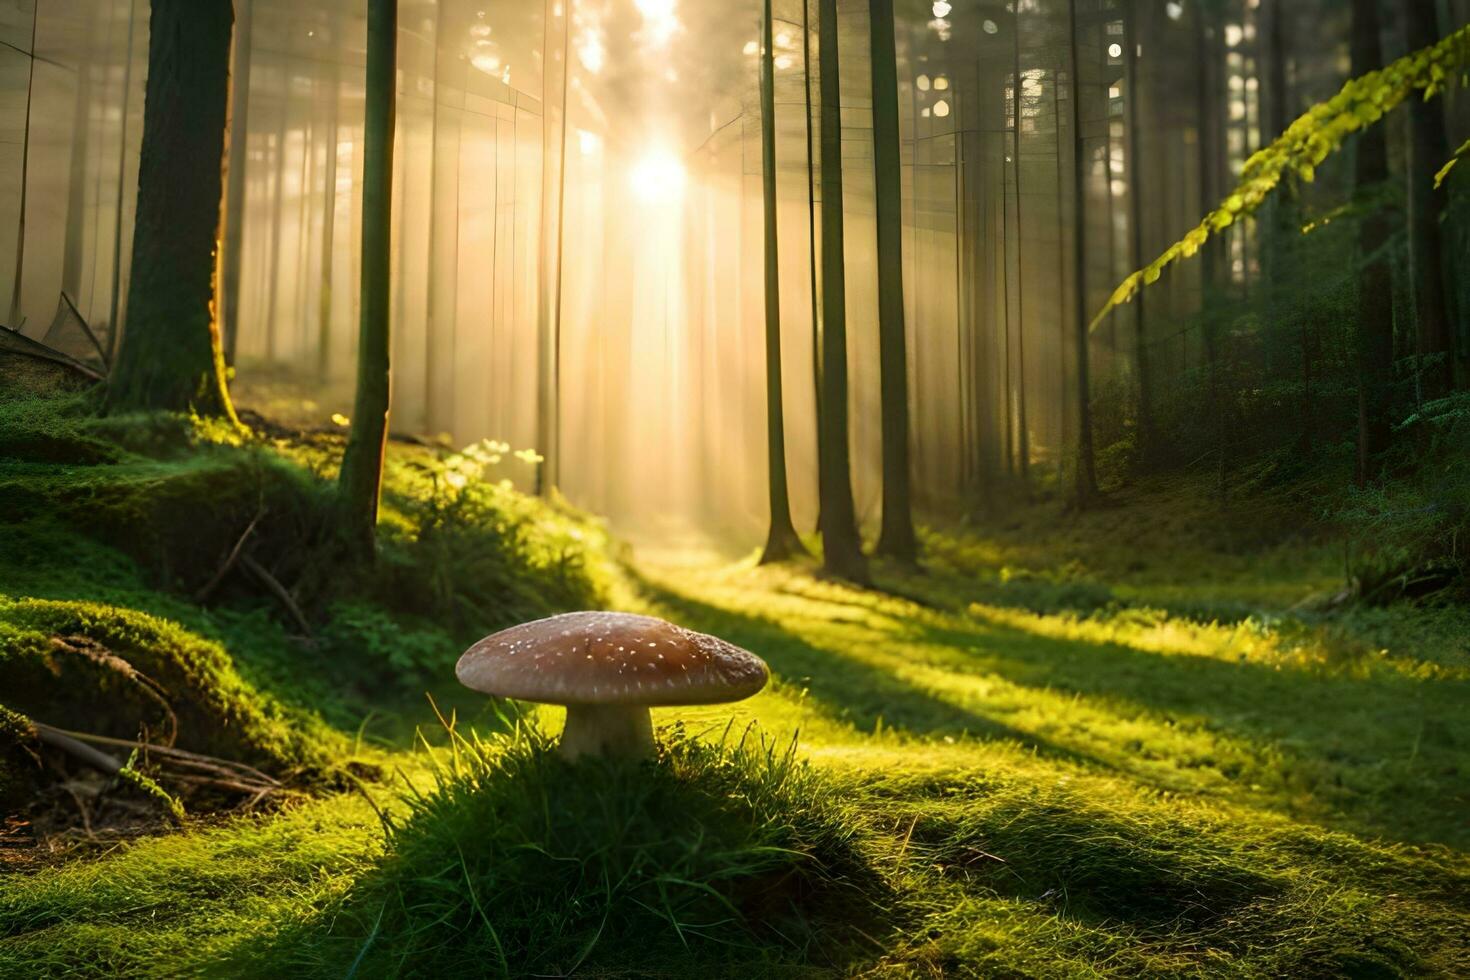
point(276, 589)
point(98, 654)
point(180, 756)
point(231, 560)
point(78, 750)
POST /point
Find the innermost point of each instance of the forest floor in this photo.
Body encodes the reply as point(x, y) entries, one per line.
point(1137, 742)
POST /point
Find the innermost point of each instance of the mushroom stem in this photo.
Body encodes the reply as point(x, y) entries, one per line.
point(622, 731)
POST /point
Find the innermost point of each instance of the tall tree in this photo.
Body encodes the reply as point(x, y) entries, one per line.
point(782, 541)
point(811, 225)
point(1374, 334)
point(361, 478)
point(896, 539)
point(170, 355)
point(1023, 429)
point(1085, 487)
point(1282, 224)
point(1143, 390)
point(1429, 147)
point(329, 235)
point(841, 545)
point(235, 184)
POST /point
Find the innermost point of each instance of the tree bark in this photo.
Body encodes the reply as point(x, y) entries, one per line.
point(170, 356)
point(782, 541)
point(1429, 148)
point(811, 224)
point(1374, 336)
point(1085, 489)
point(896, 539)
point(841, 546)
point(1143, 406)
point(1023, 429)
point(361, 478)
point(235, 193)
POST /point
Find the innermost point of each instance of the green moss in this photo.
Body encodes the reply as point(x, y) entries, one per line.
point(17, 765)
point(146, 509)
point(45, 672)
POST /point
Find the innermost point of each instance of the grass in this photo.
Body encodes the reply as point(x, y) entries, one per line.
point(730, 855)
point(1131, 743)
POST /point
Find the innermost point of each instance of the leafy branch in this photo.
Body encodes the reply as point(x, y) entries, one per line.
point(1444, 172)
point(1308, 141)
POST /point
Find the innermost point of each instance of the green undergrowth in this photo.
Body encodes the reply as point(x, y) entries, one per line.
point(1148, 740)
point(145, 511)
point(78, 664)
point(731, 857)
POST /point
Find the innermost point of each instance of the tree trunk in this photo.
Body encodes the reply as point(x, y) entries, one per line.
point(329, 237)
point(1374, 340)
point(76, 204)
point(1143, 406)
point(841, 545)
point(811, 225)
point(1023, 430)
point(1429, 148)
point(362, 464)
point(170, 356)
point(235, 184)
point(896, 540)
point(782, 541)
point(1085, 490)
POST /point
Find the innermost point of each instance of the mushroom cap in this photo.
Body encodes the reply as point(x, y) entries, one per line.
point(610, 658)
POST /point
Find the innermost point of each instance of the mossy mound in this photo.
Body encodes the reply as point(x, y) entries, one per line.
point(17, 760)
point(183, 507)
point(735, 861)
point(123, 674)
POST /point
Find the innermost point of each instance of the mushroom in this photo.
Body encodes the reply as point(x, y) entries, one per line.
point(609, 668)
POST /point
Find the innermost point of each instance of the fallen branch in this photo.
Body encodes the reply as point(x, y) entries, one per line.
point(165, 751)
point(276, 589)
point(78, 750)
point(230, 561)
point(90, 649)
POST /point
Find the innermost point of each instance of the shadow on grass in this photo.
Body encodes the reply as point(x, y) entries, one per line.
point(846, 690)
point(1348, 749)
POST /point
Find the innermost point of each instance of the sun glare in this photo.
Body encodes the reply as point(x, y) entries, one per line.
point(658, 176)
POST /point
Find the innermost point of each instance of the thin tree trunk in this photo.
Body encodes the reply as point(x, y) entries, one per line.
point(811, 225)
point(548, 392)
point(1429, 147)
point(1281, 227)
point(1085, 491)
point(25, 165)
point(76, 205)
point(782, 542)
point(841, 545)
point(1143, 406)
point(170, 357)
point(114, 322)
point(1374, 340)
point(329, 238)
point(1023, 434)
point(362, 463)
point(235, 179)
point(896, 540)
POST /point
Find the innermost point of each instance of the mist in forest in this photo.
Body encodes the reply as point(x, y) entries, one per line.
point(577, 225)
